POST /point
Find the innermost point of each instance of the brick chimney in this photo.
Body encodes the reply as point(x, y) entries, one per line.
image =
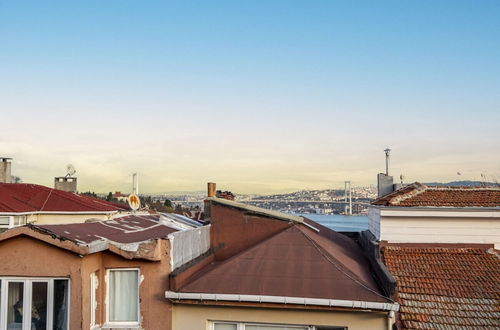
point(5, 170)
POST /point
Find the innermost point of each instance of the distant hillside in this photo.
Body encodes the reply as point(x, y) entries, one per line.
point(465, 183)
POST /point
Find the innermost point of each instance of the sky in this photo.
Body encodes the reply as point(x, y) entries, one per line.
point(257, 96)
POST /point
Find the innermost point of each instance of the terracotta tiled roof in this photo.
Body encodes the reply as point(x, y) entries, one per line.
point(443, 288)
point(297, 262)
point(22, 197)
point(418, 194)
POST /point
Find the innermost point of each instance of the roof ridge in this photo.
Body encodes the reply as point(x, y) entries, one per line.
point(418, 188)
point(337, 264)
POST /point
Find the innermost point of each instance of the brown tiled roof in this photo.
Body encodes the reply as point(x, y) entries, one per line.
point(418, 194)
point(296, 262)
point(443, 288)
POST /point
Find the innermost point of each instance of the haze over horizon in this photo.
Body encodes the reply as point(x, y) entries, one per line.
point(259, 97)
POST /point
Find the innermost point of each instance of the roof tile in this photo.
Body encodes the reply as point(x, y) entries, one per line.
point(442, 288)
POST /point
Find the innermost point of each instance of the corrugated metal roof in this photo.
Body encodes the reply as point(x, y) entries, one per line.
point(125, 230)
point(297, 262)
point(21, 197)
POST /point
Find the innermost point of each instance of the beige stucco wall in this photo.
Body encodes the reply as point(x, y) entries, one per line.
point(26, 257)
point(51, 219)
point(195, 317)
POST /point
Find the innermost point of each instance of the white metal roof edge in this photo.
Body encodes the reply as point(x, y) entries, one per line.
point(259, 210)
point(283, 300)
point(60, 212)
point(435, 212)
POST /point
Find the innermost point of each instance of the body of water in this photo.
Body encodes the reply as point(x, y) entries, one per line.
point(339, 222)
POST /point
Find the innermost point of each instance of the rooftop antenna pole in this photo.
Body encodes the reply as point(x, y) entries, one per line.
point(135, 183)
point(387, 160)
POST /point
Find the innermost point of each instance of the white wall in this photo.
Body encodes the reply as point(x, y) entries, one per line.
point(432, 226)
point(189, 244)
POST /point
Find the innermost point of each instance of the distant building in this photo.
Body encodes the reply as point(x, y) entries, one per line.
point(120, 197)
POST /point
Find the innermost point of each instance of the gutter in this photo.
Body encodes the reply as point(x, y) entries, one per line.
point(355, 304)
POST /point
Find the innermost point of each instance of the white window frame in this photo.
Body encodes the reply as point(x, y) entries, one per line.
point(27, 299)
point(11, 222)
point(94, 284)
point(115, 324)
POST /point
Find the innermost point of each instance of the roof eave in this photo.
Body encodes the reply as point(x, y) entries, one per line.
point(352, 304)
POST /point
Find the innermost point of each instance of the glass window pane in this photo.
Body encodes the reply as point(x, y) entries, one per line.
point(4, 221)
point(123, 296)
point(225, 326)
point(15, 305)
point(60, 318)
point(39, 306)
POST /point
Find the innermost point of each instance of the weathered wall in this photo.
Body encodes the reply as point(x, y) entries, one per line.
point(191, 317)
point(23, 256)
point(236, 230)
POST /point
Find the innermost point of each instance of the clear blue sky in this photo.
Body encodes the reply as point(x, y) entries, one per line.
point(259, 96)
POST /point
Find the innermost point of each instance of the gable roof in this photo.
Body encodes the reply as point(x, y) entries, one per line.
point(444, 287)
point(23, 197)
point(130, 236)
point(296, 262)
point(420, 195)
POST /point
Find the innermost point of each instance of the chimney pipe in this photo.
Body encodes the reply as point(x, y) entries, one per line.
point(211, 189)
point(387, 160)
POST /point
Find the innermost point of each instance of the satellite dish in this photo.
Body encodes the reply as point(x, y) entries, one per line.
point(70, 170)
point(134, 202)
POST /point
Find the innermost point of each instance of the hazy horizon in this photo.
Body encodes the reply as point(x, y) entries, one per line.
point(259, 97)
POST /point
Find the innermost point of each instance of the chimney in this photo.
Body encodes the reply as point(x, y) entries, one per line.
point(211, 189)
point(5, 168)
point(385, 182)
point(65, 183)
point(387, 160)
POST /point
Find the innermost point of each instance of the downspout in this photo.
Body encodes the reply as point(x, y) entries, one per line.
point(390, 320)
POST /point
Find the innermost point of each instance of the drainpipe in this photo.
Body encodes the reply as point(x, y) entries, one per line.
point(390, 319)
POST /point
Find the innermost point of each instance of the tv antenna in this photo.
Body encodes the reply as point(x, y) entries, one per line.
point(70, 170)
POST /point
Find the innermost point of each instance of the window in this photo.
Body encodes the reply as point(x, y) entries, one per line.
point(33, 303)
point(123, 297)
point(266, 326)
point(4, 223)
point(93, 299)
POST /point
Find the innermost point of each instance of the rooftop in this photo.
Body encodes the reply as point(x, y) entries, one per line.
point(420, 195)
point(445, 287)
point(129, 236)
point(300, 261)
point(23, 197)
